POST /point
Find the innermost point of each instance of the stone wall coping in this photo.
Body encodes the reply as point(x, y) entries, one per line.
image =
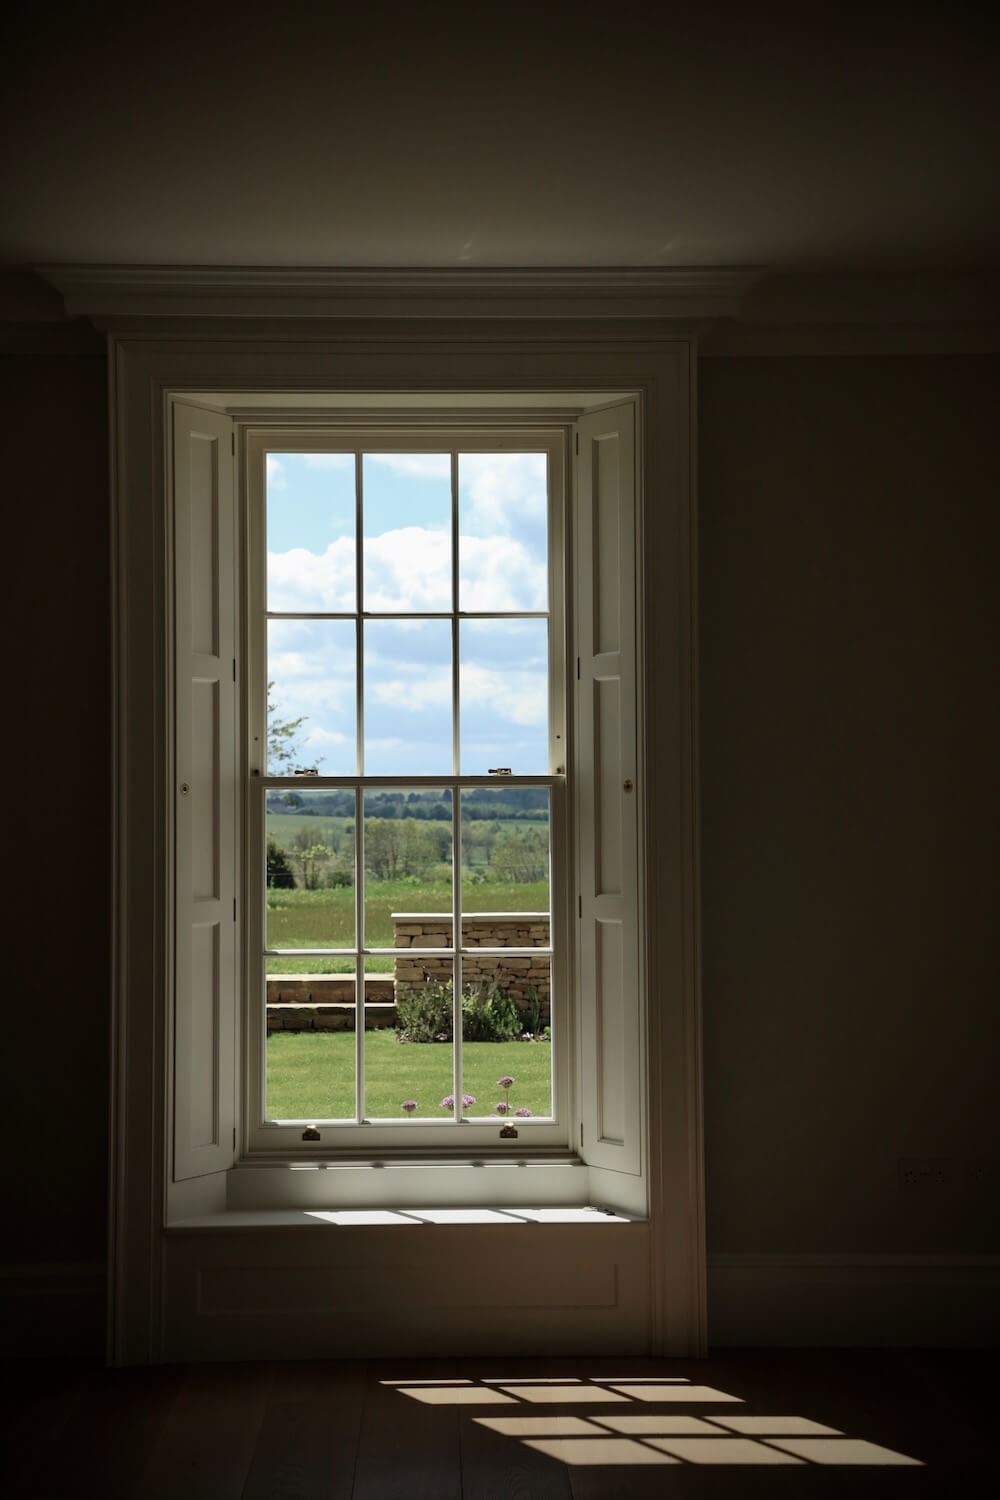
point(314, 977)
point(470, 916)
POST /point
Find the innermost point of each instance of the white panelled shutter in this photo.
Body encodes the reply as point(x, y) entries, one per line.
point(206, 791)
point(607, 827)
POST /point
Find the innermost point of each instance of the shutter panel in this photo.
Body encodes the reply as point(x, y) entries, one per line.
point(205, 795)
point(607, 833)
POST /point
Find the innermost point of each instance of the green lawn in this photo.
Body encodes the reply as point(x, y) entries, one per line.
point(310, 1075)
point(325, 918)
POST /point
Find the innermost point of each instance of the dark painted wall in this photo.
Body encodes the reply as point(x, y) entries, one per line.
point(848, 637)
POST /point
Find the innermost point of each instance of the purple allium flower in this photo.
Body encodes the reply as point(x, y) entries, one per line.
point(468, 1100)
point(448, 1102)
point(523, 1112)
point(502, 1108)
point(506, 1082)
point(408, 1106)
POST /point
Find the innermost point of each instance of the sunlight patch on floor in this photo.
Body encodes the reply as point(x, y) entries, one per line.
point(562, 1393)
point(599, 1451)
point(842, 1450)
point(619, 1438)
point(674, 1393)
point(776, 1427)
point(660, 1426)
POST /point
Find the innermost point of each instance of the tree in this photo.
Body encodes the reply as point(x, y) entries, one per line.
point(279, 871)
point(522, 856)
point(283, 748)
point(308, 858)
point(398, 846)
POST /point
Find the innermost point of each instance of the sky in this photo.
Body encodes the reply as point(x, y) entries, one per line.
point(502, 555)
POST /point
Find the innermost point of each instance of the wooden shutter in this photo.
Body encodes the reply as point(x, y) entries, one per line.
point(607, 830)
point(205, 794)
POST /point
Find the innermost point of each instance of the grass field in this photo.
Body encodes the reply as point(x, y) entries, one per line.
point(310, 1075)
point(325, 918)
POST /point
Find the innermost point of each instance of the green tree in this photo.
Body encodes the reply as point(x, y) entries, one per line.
point(522, 856)
point(279, 871)
point(398, 846)
point(308, 858)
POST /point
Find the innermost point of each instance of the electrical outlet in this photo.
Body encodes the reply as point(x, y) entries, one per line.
point(924, 1171)
point(983, 1174)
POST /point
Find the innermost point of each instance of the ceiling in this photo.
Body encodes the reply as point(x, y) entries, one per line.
point(803, 139)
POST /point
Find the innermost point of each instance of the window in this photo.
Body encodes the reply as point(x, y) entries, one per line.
point(406, 757)
point(406, 694)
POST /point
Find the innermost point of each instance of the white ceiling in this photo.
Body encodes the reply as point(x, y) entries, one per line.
point(832, 137)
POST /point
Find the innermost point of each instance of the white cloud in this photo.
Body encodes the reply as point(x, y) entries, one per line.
point(275, 473)
point(416, 693)
point(498, 489)
point(408, 569)
point(499, 573)
point(320, 736)
point(423, 465)
point(302, 580)
point(329, 460)
point(522, 697)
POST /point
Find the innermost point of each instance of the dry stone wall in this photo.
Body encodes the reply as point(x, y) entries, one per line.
point(518, 974)
point(325, 1002)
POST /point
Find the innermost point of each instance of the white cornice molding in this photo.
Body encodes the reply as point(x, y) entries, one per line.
point(111, 292)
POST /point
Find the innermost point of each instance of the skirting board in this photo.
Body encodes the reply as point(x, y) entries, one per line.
point(53, 1311)
point(889, 1301)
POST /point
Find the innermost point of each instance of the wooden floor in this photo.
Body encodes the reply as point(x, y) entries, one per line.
point(349, 1430)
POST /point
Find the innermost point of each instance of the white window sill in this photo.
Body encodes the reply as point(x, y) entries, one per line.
point(460, 1191)
point(348, 1218)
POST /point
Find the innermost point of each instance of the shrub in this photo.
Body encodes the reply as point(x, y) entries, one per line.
point(425, 1013)
point(489, 1014)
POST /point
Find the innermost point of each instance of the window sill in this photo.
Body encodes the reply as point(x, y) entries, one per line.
point(528, 1190)
point(349, 1218)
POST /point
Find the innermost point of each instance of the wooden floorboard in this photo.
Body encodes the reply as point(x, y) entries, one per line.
point(308, 1442)
point(349, 1430)
point(204, 1448)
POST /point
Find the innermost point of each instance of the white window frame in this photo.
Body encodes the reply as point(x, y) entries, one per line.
point(232, 364)
point(265, 1139)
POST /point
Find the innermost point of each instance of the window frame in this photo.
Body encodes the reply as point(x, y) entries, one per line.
point(460, 432)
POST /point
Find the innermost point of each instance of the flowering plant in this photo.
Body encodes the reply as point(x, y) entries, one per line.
point(504, 1107)
point(448, 1102)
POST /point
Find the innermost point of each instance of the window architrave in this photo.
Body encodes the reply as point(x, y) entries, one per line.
point(148, 363)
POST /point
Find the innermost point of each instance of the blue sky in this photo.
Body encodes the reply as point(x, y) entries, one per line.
point(407, 526)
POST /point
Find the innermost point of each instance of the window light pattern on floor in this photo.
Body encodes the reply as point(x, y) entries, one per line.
point(616, 1436)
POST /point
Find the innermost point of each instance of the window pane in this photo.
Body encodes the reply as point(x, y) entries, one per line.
point(505, 850)
point(503, 531)
point(407, 697)
point(310, 1054)
point(505, 904)
point(310, 532)
point(504, 696)
point(310, 875)
point(487, 1065)
point(408, 860)
point(407, 530)
point(420, 1072)
point(311, 718)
